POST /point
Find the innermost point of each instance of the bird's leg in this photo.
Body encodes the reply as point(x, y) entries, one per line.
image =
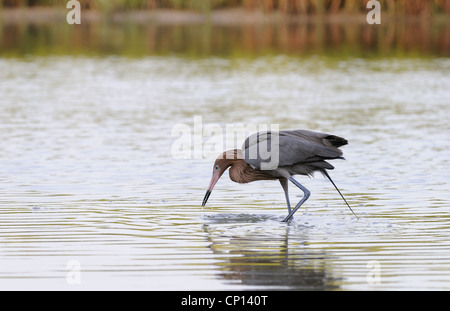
point(284, 184)
point(306, 195)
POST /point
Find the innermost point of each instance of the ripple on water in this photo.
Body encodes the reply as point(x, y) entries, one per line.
point(88, 175)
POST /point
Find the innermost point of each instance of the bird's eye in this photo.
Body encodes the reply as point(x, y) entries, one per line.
point(216, 167)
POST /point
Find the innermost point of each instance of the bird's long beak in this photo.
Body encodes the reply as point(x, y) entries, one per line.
point(205, 199)
point(213, 182)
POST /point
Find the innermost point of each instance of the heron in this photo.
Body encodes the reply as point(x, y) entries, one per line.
point(292, 152)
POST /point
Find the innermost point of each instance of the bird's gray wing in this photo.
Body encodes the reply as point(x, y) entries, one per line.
point(321, 138)
point(268, 150)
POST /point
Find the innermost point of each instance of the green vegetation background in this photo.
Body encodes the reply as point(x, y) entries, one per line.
point(415, 7)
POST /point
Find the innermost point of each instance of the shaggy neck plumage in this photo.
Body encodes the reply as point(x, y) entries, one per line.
point(241, 171)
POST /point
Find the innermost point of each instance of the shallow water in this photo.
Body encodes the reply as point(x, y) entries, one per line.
point(91, 196)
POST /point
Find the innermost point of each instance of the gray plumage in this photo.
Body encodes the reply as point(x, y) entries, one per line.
point(296, 152)
point(280, 155)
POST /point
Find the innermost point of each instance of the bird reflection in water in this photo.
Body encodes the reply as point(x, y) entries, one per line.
point(257, 259)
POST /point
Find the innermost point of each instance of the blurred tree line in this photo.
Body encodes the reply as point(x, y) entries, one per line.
point(410, 7)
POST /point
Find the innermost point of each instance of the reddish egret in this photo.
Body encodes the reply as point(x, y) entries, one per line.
point(297, 152)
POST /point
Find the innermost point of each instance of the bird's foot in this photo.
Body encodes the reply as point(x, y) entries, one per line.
point(288, 218)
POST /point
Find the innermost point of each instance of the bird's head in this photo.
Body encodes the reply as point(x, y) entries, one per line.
point(222, 163)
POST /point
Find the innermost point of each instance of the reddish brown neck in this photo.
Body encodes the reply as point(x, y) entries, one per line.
point(242, 172)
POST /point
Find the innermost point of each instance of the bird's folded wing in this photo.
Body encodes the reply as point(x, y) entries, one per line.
point(289, 147)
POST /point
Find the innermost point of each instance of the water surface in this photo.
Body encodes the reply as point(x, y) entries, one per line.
point(91, 196)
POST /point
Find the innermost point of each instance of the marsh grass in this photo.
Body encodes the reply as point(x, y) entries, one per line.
point(410, 7)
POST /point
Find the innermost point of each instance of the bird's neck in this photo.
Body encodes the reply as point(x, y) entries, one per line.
point(239, 171)
point(242, 172)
